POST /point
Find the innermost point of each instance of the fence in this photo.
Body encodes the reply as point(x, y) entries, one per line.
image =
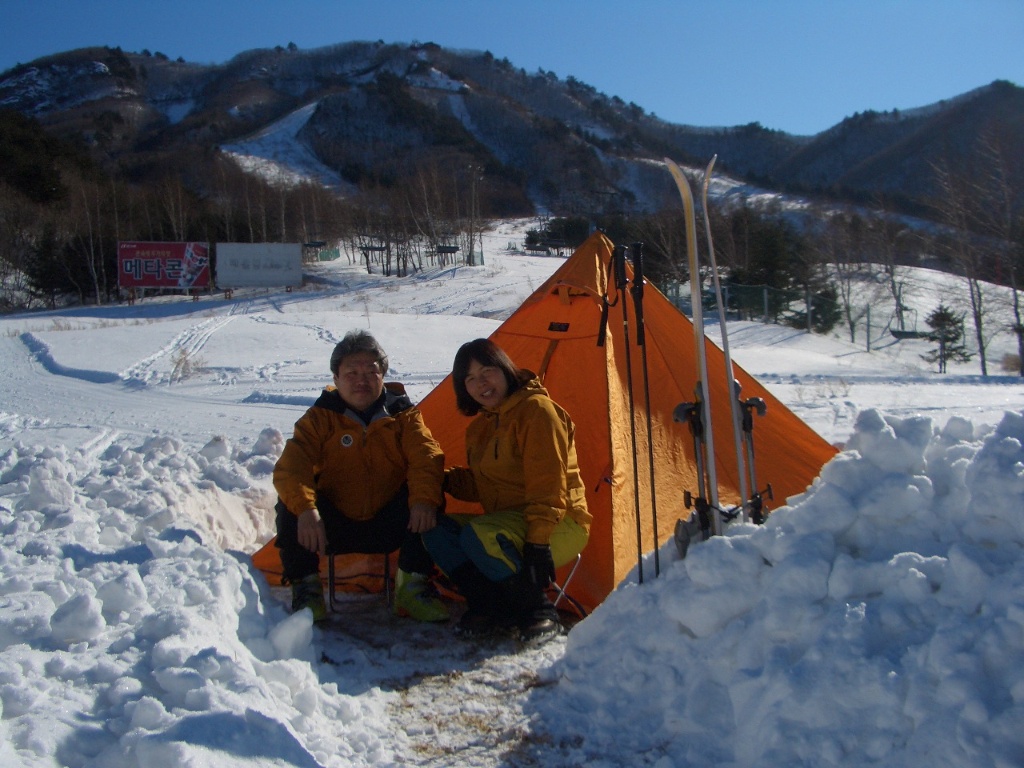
point(872, 327)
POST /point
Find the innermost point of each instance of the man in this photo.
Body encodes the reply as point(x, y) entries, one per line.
point(362, 473)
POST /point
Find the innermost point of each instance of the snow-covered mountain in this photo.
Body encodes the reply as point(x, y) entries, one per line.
point(377, 110)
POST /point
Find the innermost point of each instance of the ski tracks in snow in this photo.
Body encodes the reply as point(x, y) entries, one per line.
point(271, 371)
point(186, 344)
point(318, 331)
point(92, 449)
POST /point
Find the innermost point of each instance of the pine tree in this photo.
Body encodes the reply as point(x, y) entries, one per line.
point(948, 331)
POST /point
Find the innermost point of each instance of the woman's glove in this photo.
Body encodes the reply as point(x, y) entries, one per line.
point(538, 565)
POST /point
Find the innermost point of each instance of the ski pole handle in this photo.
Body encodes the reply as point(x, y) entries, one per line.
point(619, 266)
point(602, 331)
point(637, 250)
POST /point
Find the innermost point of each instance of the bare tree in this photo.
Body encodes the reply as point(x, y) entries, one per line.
point(225, 202)
point(174, 199)
point(664, 238)
point(1018, 323)
point(887, 239)
point(961, 245)
point(431, 203)
point(1000, 214)
point(86, 239)
point(841, 244)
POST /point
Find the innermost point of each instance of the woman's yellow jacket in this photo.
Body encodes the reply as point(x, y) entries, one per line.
point(522, 455)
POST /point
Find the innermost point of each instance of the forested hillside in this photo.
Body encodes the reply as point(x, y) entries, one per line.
point(414, 147)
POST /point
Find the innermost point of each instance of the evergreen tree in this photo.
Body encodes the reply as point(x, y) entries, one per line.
point(826, 312)
point(30, 158)
point(46, 269)
point(948, 331)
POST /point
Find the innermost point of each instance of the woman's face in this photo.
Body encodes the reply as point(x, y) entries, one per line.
point(486, 384)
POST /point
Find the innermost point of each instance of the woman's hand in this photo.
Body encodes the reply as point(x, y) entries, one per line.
point(538, 564)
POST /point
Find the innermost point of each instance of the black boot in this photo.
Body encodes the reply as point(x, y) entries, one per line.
point(484, 604)
point(536, 616)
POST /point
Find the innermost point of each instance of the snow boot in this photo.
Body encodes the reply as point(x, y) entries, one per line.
point(484, 608)
point(416, 597)
point(308, 592)
point(536, 616)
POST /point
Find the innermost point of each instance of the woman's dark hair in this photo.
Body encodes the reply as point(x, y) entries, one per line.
point(486, 353)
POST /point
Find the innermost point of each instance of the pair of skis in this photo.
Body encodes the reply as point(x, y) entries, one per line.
point(710, 517)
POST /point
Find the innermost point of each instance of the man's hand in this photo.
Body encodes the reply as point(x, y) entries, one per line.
point(312, 534)
point(422, 517)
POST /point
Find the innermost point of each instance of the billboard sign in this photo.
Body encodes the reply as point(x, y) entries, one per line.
point(163, 265)
point(259, 265)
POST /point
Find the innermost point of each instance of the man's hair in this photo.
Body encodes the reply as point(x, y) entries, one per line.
point(486, 353)
point(354, 343)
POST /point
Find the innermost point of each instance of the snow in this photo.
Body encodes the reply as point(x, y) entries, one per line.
point(276, 154)
point(876, 619)
point(177, 110)
point(436, 80)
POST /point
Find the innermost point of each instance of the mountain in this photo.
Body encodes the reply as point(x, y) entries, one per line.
point(371, 113)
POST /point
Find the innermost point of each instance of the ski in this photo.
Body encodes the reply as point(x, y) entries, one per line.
point(698, 526)
point(734, 386)
point(752, 506)
point(698, 413)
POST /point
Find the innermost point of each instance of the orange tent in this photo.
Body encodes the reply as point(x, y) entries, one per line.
point(555, 334)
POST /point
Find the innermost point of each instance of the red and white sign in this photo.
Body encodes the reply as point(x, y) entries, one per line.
point(163, 265)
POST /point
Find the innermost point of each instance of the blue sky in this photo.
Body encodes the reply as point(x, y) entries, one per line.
point(795, 65)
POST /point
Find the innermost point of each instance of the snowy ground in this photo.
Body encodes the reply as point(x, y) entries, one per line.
point(878, 620)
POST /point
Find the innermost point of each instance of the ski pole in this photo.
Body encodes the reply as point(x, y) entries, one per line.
point(620, 285)
point(602, 330)
point(637, 252)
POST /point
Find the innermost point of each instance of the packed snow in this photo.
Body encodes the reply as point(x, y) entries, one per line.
point(877, 619)
point(276, 154)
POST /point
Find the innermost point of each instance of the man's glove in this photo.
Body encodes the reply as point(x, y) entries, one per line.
point(538, 565)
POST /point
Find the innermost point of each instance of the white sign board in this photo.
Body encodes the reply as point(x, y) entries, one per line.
point(259, 265)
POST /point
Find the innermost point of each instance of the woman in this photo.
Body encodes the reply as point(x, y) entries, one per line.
point(524, 473)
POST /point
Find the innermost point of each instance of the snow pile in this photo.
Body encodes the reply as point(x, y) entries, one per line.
point(877, 619)
point(130, 637)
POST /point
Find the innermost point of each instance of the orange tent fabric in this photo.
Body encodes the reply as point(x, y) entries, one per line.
point(555, 334)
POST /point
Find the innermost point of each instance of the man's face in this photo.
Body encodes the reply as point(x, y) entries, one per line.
point(359, 380)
